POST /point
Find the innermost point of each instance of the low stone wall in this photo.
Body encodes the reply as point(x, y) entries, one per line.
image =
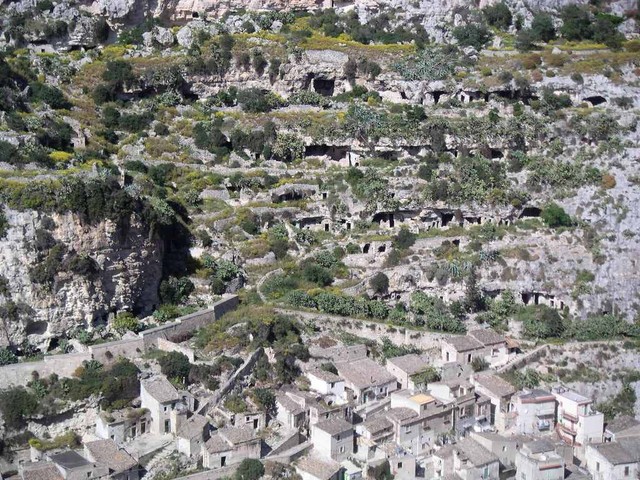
point(242, 371)
point(187, 324)
point(110, 352)
point(168, 346)
point(525, 359)
point(218, 473)
point(64, 365)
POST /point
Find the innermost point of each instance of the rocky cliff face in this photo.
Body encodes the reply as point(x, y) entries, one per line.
point(128, 267)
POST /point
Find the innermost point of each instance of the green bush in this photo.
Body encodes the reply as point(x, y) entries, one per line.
point(175, 365)
point(249, 469)
point(175, 290)
point(498, 15)
point(542, 28)
point(555, 216)
point(379, 283)
point(125, 322)
point(50, 95)
point(7, 357)
point(16, 405)
point(540, 321)
point(472, 35)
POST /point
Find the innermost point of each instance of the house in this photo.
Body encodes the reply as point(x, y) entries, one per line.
point(502, 446)
point(538, 460)
point(467, 406)
point(350, 471)
point(623, 426)
point(536, 411)
point(418, 421)
point(499, 393)
point(333, 439)
point(123, 425)
point(614, 460)
point(312, 467)
point(578, 423)
point(192, 435)
point(327, 383)
point(161, 398)
point(484, 343)
point(231, 445)
point(254, 417)
point(366, 380)
point(291, 411)
point(73, 466)
point(120, 464)
point(39, 471)
point(402, 466)
point(372, 433)
point(405, 367)
point(299, 410)
point(468, 460)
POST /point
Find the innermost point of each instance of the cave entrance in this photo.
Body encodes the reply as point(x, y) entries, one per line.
point(436, 96)
point(324, 86)
point(366, 248)
point(446, 219)
point(382, 248)
point(531, 212)
point(595, 100)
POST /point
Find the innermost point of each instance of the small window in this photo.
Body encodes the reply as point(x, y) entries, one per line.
point(341, 449)
point(88, 474)
point(597, 466)
point(399, 464)
point(504, 448)
point(407, 429)
point(626, 471)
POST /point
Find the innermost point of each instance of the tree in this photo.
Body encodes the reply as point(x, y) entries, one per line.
point(525, 40)
point(576, 23)
point(125, 321)
point(473, 299)
point(175, 290)
point(555, 216)
point(16, 404)
point(404, 239)
point(542, 28)
point(321, 276)
point(472, 35)
point(175, 365)
point(266, 399)
point(540, 321)
point(249, 469)
point(479, 364)
point(118, 72)
point(498, 15)
point(379, 283)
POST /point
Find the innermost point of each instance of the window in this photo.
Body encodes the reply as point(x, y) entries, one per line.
point(399, 464)
point(626, 471)
point(597, 466)
point(338, 437)
point(407, 429)
point(447, 356)
point(166, 408)
point(88, 474)
point(332, 384)
point(504, 448)
point(341, 449)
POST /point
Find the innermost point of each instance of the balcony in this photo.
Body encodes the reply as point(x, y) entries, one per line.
point(570, 417)
point(570, 429)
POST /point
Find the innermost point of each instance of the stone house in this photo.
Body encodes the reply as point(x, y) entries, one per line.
point(614, 460)
point(229, 446)
point(468, 460)
point(373, 433)
point(500, 393)
point(327, 383)
point(484, 343)
point(577, 422)
point(621, 427)
point(402, 466)
point(406, 366)
point(418, 421)
point(505, 447)
point(119, 463)
point(313, 467)
point(467, 406)
point(538, 460)
point(192, 435)
point(366, 381)
point(73, 466)
point(161, 398)
point(536, 411)
point(39, 471)
point(123, 425)
point(291, 411)
point(254, 417)
point(299, 410)
point(333, 439)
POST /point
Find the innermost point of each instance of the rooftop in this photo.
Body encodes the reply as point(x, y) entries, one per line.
point(467, 448)
point(325, 376)
point(334, 426)
point(618, 453)
point(41, 471)
point(193, 427)
point(320, 468)
point(463, 343)
point(487, 337)
point(621, 423)
point(494, 384)
point(410, 364)
point(536, 394)
point(540, 446)
point(572, 396)
point(377, 424)
point(401, 414)
point(107, 453)
point(160, 389)
point(237, 435)
point(69, 460)
point(422, 398)
point(217, 444)
point(364, 373)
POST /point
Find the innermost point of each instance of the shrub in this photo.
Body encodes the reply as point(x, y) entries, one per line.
point(498, 15)
point(316, 274)
point(379, 283)
point(576, 23)
point(249, 469)
point(7, 357)
point(540, 321)
point(479, 364)
point(175, 365)
point(555, 216)
point(8, 153)
point(472, 35)
point(125, 322)
point(608, 181)
point(118, 72)
point(542, 28)
point(17, 404)
point(175, 290)
point(50, 95)
point(404, 239)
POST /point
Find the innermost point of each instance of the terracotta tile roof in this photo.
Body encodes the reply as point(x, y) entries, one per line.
point(193, 427)
point(334, 426)
point(364, 373)
point(238, 435)
point(467, 448)
point(410, 364)
point(320, 468)
point(325, 376)
point(160, 389)
point(463, 343)
point(487, 336)
point(494, 384)
point(41, 471)
point(107, 453)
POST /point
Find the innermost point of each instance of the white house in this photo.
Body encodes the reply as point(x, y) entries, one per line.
point(159, 397)
point(405, 367)
point(614, 460)
point(366, 380)
point(229, 446)
point(327, 383)
point(500, 392)
point(536, 411)
point(333, 439)
point(538, 460)
point(578, 423)
point(192, 435)
point(468, 460)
